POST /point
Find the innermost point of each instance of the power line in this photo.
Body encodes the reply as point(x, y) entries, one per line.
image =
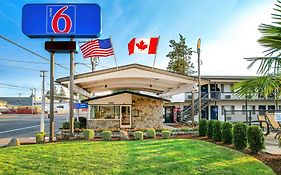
point(27, 69)
point(15, 86)
point(21, 61)
point(30, 51)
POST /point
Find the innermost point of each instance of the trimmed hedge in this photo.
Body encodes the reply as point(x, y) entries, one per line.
point(65, 125)
point(210, 128)
point(227, 133)
point(255, 138)
point(151, 133)
point(138, 135)
point(240, 135)
point(203, 127)
point(40, 137)
point(217, 131)
point(88, 134)
point(165, 134)
point(106, 135)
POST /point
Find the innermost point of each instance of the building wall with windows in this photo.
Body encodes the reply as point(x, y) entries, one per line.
point(126, 110)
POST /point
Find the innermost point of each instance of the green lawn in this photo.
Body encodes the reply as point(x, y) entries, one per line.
point(129, 157)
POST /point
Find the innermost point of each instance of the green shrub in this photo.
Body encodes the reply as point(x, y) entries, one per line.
point(217, 131)
point(227, 133)
point(255, 138)
point(88, 134)
point(240, 135)
point(138, 135)
point(106, 135)
point(76, 124)
point(151, 133)
point(203, 127)
point(165, 134)
point(40, 137)
point(65, 125)
point(210, 128)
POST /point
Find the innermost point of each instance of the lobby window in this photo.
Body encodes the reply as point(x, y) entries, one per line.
point(105, 112)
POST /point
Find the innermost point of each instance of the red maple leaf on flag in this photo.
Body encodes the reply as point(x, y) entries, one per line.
point(141, 45)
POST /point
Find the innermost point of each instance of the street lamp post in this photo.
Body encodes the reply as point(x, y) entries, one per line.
point(199, 80)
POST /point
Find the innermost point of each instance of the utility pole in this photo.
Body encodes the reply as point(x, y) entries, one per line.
point(52, 68)
point(42, 126)
point(71, 101)
point(199, 80)
point(32, 100)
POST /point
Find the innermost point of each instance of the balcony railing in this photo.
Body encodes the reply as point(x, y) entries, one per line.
point(216, 95)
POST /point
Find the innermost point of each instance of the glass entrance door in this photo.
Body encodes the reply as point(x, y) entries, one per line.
point(125, 120)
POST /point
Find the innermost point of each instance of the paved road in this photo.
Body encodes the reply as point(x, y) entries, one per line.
point(24, 126)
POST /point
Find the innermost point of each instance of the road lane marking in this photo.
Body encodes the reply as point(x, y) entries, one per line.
point(2, 132)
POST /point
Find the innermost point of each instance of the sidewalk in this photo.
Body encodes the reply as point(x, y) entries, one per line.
point(271, 145)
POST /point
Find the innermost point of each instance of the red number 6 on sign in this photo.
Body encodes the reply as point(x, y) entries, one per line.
point(67, 21)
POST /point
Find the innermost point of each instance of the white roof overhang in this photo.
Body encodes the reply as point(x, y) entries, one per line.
point(133, 77)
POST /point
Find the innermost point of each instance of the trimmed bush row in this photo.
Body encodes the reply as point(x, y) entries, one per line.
point(88, 134)
point(40, 137)
point(240, 134)
point(203, 127)
point(138, 135)
point(65, 125)
point(106, 135)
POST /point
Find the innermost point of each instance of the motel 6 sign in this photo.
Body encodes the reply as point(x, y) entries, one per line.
point(61, 20)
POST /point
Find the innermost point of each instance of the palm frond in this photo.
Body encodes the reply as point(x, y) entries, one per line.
point(259, 86)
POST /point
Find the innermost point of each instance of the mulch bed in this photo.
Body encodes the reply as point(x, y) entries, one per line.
point(271, 160)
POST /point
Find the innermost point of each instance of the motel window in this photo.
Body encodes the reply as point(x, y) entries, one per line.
point(232, 108)
point(222, 110)
point(105, 112)
point(244, 109)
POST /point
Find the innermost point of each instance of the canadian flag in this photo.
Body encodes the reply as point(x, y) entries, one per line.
point(143, 45)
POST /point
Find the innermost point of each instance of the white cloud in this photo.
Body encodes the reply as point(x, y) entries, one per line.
point(235, 41)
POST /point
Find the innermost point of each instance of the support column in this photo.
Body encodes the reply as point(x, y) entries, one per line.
point(52, 69)
point(71, 92)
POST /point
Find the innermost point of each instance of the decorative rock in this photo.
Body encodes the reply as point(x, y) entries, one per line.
point(14, 142)
point(124, 135)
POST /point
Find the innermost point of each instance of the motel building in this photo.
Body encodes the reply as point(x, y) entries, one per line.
point(220, 102)
point(130, 96)
point(138, 96)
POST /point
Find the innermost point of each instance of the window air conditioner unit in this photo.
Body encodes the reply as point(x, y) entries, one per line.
point(189, 97)
point(227, 96)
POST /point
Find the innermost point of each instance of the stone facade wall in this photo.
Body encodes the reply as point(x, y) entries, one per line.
point(150, 112)
point(103, 124)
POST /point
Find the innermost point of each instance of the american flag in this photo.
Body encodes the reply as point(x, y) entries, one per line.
point(97, 48)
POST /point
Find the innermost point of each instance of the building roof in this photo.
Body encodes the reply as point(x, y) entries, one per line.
point(18, 101)
point(124, 92)
point(133, 77)
point(225, 78)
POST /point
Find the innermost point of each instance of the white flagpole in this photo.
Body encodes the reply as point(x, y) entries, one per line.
point(113, 53)
point(156, 51)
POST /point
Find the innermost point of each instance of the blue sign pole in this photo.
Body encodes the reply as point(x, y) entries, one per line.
point(61, 20)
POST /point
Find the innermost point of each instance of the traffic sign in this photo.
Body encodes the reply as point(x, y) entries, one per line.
point(80, 105)
point(61, 20)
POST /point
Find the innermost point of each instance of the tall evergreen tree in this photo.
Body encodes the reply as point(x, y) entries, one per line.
point(180, 60)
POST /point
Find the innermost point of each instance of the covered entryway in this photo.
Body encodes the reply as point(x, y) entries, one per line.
point(134, 77)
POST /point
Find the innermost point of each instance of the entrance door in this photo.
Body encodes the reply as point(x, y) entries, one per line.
point(125, 117)
point(214, 112)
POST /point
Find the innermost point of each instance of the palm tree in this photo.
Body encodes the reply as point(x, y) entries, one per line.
point(270, 65)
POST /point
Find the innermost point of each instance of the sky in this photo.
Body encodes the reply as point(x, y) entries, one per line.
point(228, 32)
